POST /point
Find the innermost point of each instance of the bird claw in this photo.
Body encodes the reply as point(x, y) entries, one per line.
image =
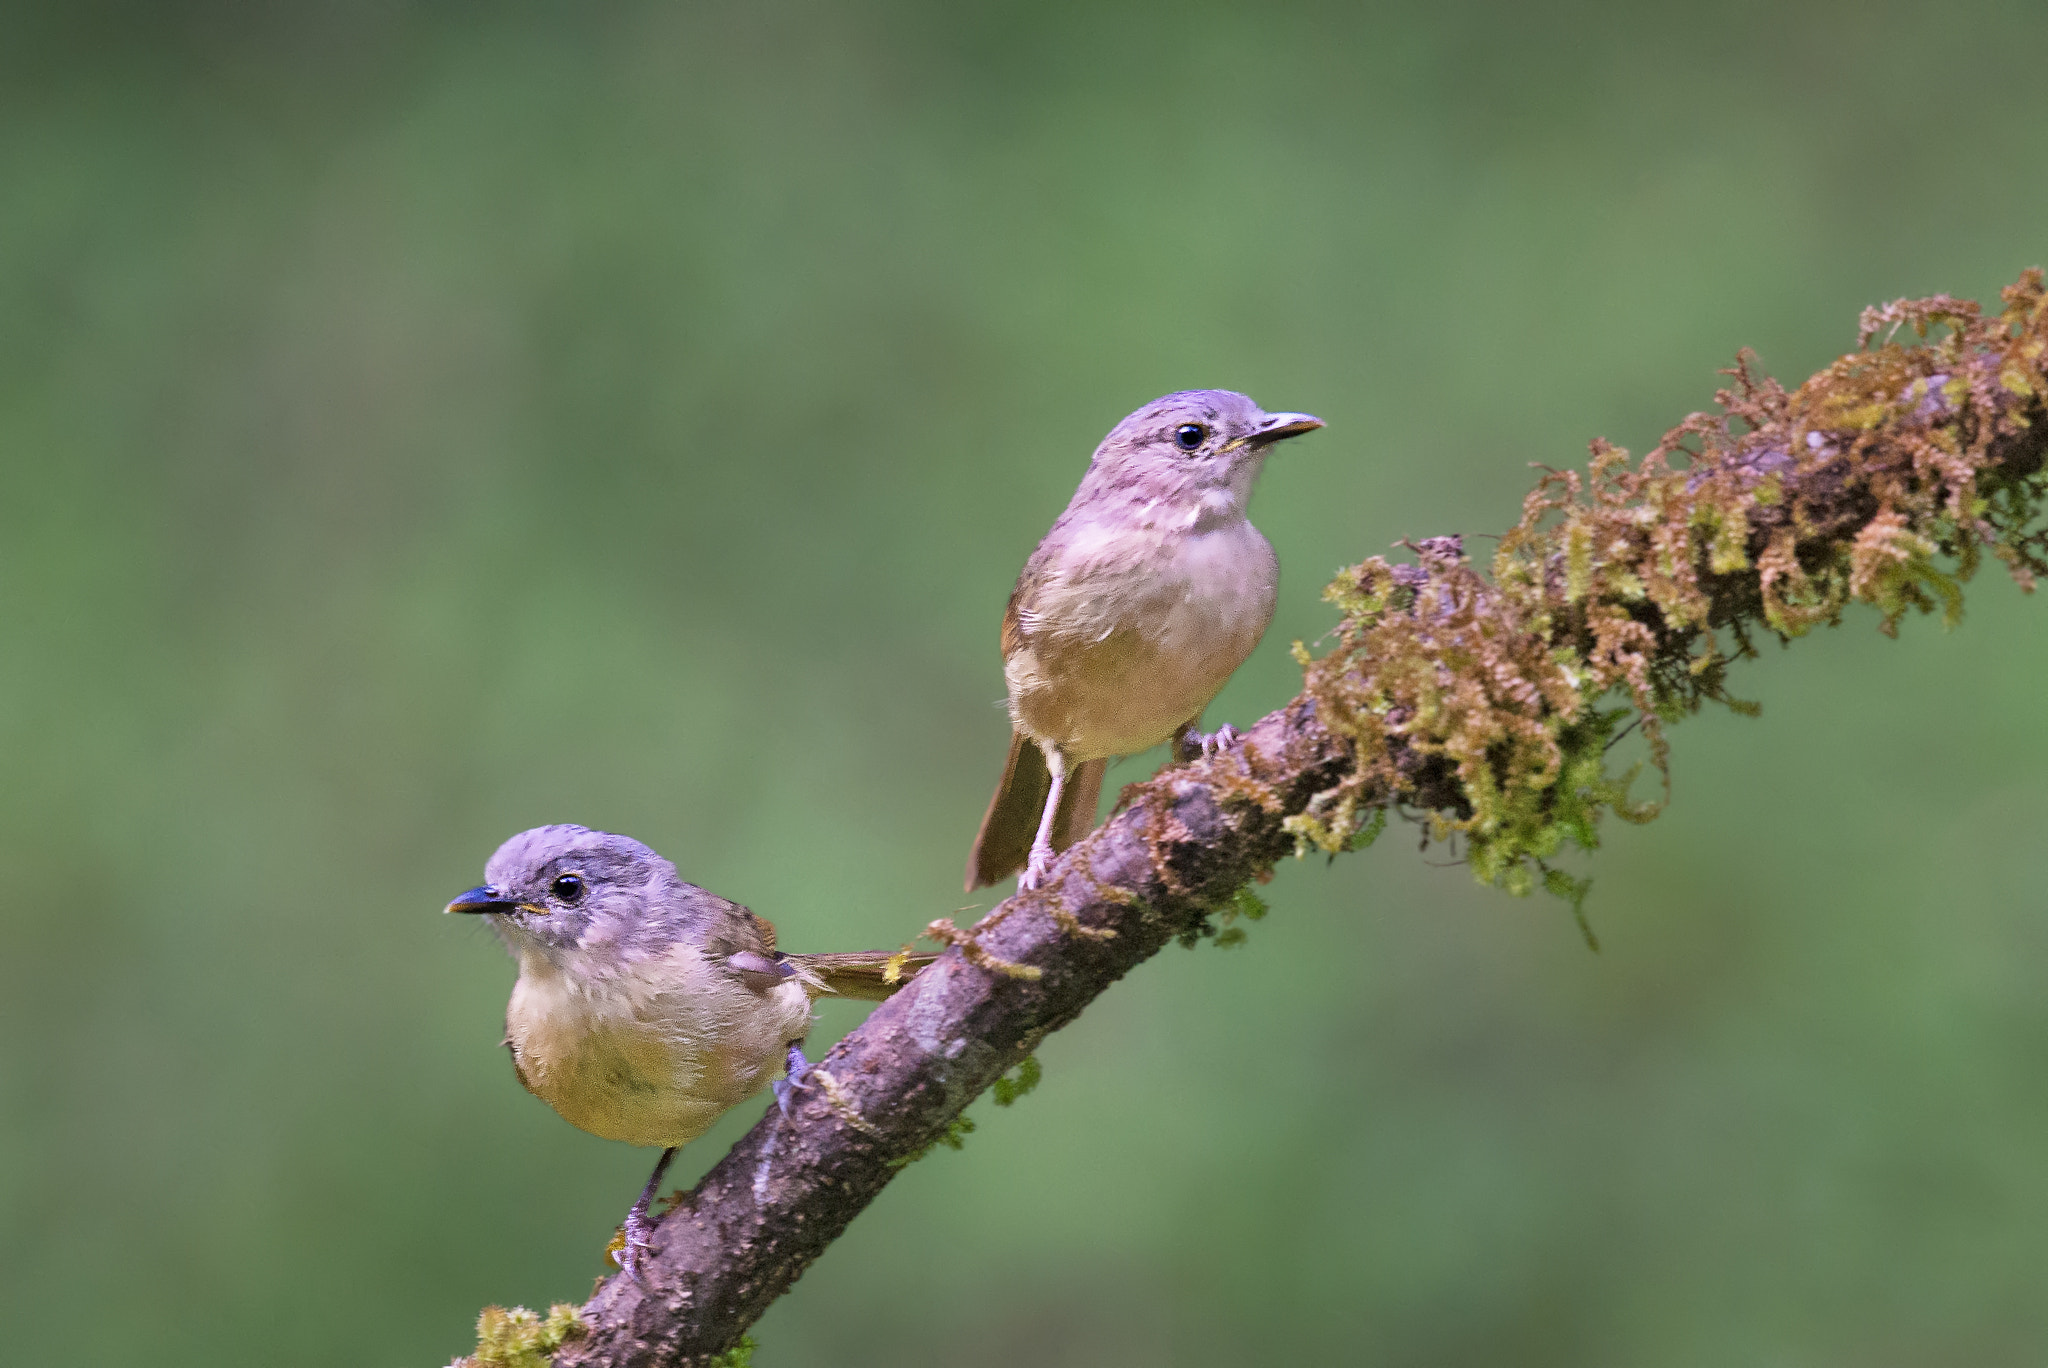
point(634, 1239)
point(798, 1073)
point(633, 1234)
point(1037, 869)
point(1200, 745)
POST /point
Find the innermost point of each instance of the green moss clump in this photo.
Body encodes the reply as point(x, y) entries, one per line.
point(1244, 904)
point(1491, 705)
point(518, 1338)
point(741, 1355)
point(953, 1137)
point(1018, 1081)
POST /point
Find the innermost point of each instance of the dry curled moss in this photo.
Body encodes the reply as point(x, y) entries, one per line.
point(1627, 589)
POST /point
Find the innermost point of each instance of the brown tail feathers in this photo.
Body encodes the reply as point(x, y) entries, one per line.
point(862, 974)
point(1004, 842)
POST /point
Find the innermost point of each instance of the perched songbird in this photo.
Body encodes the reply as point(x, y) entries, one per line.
point(645, 1006)
point(1129, 617)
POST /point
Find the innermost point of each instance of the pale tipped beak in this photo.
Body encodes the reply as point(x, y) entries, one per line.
point(482, 898)
point(1279, 425)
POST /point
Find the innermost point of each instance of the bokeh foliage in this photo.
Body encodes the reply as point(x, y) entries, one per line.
point(424, 422)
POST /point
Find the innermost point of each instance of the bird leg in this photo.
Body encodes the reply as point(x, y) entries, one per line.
point(1042, 854)
point(798, 1068)
point(638, 1227)
point(1191, 742)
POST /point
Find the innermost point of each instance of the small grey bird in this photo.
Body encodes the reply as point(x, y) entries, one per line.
point(1145, 596)
point(646, 1007)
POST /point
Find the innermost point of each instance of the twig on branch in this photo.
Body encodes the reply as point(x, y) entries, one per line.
point(1486, 705)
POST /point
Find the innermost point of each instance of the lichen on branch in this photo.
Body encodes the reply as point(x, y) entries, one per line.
point(1626, 590)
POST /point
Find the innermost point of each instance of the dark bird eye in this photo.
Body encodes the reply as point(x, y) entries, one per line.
point(1190, 435)
point(568, 888)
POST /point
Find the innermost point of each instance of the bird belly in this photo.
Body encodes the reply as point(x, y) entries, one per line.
point(651, 1056)
point(1118, 661)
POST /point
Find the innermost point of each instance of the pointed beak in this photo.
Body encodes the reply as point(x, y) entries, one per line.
point(482, 898)
point(1280, 425)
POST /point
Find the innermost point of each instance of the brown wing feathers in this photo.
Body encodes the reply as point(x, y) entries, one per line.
point(861, 974)
point(1077, 803)
point(1004, 841)
point(1003, 844)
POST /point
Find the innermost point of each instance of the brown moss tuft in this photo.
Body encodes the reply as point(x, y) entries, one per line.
point(1627, 589)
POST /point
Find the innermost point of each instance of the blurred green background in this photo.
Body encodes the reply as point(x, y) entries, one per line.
point(424, 422)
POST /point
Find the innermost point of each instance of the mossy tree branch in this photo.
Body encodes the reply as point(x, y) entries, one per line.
point(1483, 706)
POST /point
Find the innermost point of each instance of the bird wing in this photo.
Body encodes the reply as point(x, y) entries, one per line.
point(870, 975)
point(745, 941)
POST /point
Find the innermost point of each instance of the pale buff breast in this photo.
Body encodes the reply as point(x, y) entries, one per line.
point(1136, 634)
point(652, 1054)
